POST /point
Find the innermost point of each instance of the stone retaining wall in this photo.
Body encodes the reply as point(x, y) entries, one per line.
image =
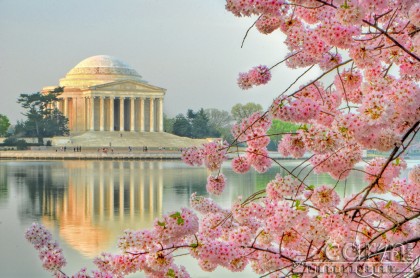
point(70, 155)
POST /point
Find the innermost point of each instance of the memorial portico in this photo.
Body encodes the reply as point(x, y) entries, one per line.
point(103, 93)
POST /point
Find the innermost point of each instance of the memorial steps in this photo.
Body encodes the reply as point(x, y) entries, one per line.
point(127, 139)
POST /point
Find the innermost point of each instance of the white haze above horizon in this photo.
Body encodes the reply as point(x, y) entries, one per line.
point(190, 47)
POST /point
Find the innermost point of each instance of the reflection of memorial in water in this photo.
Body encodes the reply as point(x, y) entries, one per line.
point(103, 198)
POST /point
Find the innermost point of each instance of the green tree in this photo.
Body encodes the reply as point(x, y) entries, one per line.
point(277, 129)
point(200, 127)
point(195, 125)
point(4, 125)
point(182, 126)
point(168, 124)
point(42, 120)
point(221, 121)
point(55, 124)
point(218, 119)
point(240, 111)
point(19, 130)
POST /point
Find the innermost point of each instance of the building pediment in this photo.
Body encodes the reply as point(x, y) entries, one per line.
point(127, 85)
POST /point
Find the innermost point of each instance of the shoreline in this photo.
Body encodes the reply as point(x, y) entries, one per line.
point(88, 155)
point(99, 154)
point(94, 154)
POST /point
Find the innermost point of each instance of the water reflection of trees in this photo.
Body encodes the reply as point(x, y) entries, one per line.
point(4, 192)
point(352, 184)
point(42, 188)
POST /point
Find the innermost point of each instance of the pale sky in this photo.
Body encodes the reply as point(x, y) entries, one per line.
point(190, 47)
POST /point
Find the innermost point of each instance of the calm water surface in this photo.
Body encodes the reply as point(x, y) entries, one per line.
point(88, 204)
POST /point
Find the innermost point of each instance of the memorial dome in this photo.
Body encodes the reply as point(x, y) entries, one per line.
point(98, 70)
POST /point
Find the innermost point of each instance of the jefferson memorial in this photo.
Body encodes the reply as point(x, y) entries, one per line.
point(108, 103)
point(102, 93)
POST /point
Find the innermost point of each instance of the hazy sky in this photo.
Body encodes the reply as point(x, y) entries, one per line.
point(190, 47)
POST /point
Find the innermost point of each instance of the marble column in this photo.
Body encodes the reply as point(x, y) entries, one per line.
point(132, 114)
point(73, 113)
point(160, 115)
point(66, 107)
point(101, 114)
point(141, 114)
point(111, 113)
point(92, 113)
point(87, 114)
point(152, 114)
point(121, 114)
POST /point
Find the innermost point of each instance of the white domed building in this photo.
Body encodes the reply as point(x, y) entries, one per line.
point(102, 93)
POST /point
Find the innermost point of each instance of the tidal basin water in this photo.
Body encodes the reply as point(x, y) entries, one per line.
point(88, 204)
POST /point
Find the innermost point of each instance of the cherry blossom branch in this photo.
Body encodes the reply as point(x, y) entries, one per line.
point(393, 40)
point(321, 76)
point(378, 211)
point(247, 31)
point(391, 158)
point(385, 33)
point(296, 80)
point(344, 89)
point(261, 136)
point(303, 162)
point(320, 163)
point(390, 229)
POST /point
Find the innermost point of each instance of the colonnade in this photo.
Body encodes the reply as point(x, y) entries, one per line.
point(109, 113)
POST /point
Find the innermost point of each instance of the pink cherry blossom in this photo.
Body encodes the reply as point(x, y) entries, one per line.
point(216, 185)
point(325, 197)
point(240, 164)
point(256, 76)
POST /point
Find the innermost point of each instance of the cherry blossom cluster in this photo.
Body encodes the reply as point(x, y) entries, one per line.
point(216, 185)
point(253, 131)
point(254, 77)
point(50, 253)
point(407, 190)
point(339, 163)
point(299, 110)
point(388, 173)
point(414, 175)
point(324, 197)
point(204, 205)
point(267, 23)
point(330, 60)
point(151, 250)
point(348, 85)
point(311, 103)
point(241, 164)
point(320, 139)
point(282, 187)
point(192, 156)
point(350, 13)
point(159, 264)
point(250, 7)
point(214, 154)
point(211, 154)
point(291, 145)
